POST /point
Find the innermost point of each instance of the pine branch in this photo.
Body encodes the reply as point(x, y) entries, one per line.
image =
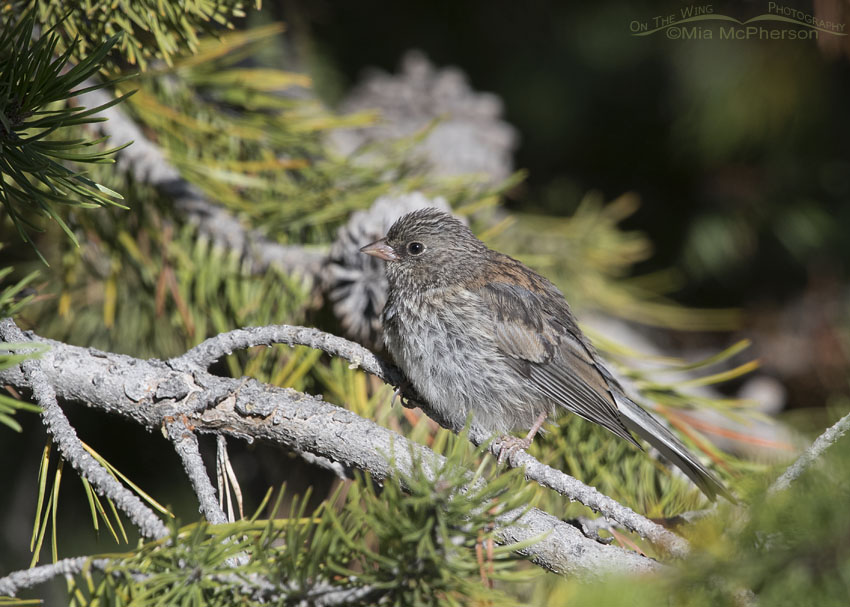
point(147, 162)
point(36, 83)
point(152, 30)
point(36, 379)
point(321, 594)
point(148, 392)
point(214, 348)
point(186, 444)
point(14, 582)
point(811, 455)
point(574, 489)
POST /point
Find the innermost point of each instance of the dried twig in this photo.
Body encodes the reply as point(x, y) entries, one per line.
point(811, 455)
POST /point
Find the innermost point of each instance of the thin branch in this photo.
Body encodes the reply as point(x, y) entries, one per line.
point(212, 349)
point(16, 581)
point(268, 413)
point(72, 449)
point(258, 587)
point(148, 391)
point(324, 594)
point(207, 352)
point(811, 455)
point(186, 444)
point(148, 164)
point(574, 489)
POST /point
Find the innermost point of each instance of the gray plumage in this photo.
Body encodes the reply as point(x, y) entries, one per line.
point(477, 331)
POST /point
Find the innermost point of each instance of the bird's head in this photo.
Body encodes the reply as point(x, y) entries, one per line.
point(429, 248)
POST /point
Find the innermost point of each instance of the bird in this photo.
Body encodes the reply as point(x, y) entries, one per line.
point(477, 332)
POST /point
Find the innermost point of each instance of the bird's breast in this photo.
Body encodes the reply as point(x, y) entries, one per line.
point(444, 344)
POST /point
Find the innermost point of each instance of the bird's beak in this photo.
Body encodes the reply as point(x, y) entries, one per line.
point(380, 249)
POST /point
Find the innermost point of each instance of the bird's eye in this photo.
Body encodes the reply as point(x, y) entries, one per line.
point(415, 248)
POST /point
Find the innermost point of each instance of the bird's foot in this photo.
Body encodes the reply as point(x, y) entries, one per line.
point(400, 392)
point(508, 445)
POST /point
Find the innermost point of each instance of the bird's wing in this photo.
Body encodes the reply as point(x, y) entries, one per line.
point(535, 331)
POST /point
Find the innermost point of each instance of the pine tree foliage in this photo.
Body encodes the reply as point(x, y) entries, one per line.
point(36, 81)
point(589, 255)
point(150, 29)
point(619, 470)
point(428, 544)
point(137, 277)
point(266, 155)
point(789, 548)
point(198, 289)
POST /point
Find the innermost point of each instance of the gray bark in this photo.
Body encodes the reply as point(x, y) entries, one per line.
point(152, 392)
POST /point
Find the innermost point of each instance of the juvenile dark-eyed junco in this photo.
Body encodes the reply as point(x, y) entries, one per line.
point(477, 331)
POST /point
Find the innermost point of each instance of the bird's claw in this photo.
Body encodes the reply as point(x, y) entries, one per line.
point(399, 394)
point(400, 391)
point(508, 445)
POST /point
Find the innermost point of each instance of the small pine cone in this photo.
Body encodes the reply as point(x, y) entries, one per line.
point(470, 136)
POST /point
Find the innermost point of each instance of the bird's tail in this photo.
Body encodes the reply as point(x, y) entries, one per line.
point(656, 434)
